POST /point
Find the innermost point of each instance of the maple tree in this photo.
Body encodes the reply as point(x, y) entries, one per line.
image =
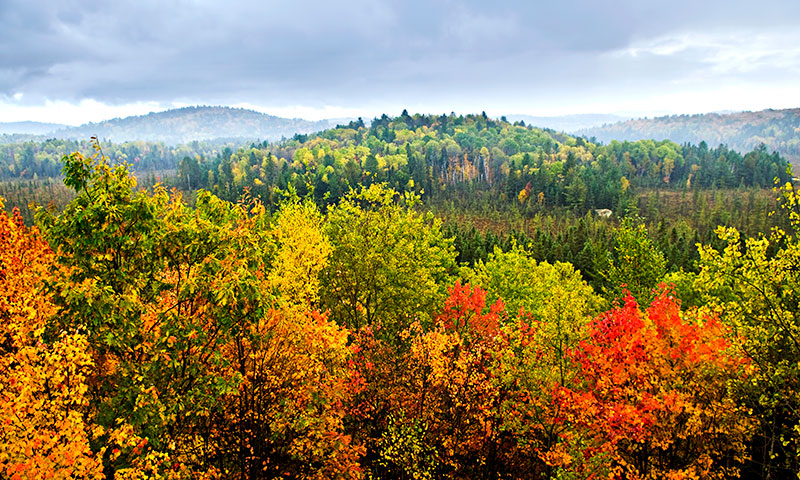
point(652, 395)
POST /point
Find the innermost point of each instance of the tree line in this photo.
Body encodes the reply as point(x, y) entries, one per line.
point(449, 156)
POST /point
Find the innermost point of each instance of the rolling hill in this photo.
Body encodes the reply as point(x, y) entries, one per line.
point(567, 123)
point(779, 130)
point(29, 128)
point(187, 124)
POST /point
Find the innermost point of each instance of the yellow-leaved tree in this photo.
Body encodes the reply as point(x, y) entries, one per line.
point(43, 381)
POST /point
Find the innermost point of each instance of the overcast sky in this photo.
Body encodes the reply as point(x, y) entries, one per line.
point(72, 61)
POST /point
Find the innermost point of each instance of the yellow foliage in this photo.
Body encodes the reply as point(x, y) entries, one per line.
point(42, 386)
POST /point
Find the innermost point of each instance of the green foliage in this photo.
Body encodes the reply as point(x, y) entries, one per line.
point(157, 288)
point(636, 265)
point(541, 289)
point(740, 131)
point(390, 265)
point(447, 157)
point(757, 293)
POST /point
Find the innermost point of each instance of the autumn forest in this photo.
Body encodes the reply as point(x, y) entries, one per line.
point(415, 297)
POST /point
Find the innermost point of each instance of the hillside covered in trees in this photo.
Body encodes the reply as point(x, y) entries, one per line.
point(741, 131)
point(29, 128)
point(144, 336)
point(184, 125)
point(33, 159)
point(447, 155)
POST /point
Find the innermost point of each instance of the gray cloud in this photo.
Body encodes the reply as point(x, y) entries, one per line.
point(308, 52)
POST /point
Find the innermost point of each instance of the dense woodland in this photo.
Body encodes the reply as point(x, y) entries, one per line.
point(34, 159)
point(445, 157)
point(492, 182)
point(426, 297)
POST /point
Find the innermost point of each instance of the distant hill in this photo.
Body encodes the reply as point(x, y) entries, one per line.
point(29, 128)
point(567, 123)
point(184, 125)
point(779, 130)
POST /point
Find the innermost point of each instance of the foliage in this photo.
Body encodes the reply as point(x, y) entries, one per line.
point(555, 306)
point(652, 394)
point(389, 264)
point(141, 337)
point(191, 317)
point(757, 294)
point(637, 265)
point(451, 157)
point(553, 291)
point(741, 131)
point(43, 386)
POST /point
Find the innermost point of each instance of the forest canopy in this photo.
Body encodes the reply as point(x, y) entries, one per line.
point(330, 327)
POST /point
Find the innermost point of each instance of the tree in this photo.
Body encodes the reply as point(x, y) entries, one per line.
point(652, 395)
point(555, 307)
point(389, 264)
point(757, 293)
point(430, 410)
point(636, 265)
point(285, 418)
point(44, 429)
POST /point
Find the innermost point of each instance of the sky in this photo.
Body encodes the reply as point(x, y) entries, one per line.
point(69, 61)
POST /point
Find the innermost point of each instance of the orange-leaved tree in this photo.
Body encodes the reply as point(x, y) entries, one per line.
point(44, 432)
point(425, 404)
point(652, 395)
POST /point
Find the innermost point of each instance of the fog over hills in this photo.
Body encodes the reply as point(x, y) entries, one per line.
point(29, 128)
point(779, 130)
point(187, 124)
point(567, 123)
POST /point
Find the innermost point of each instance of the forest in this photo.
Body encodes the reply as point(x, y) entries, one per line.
point(423, 297)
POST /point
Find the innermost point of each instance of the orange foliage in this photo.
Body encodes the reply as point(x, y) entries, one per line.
point(43, 387)
point(652, 394)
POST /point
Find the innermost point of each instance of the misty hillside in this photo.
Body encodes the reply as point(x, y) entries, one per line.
point(29, 128)
point(184, 125)
point(779, 130)
point(568, 123)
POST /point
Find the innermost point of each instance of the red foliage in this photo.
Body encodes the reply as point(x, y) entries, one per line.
point(652, 391)
point(464, 309)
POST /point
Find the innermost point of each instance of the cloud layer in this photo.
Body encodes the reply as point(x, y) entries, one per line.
point(535, 57)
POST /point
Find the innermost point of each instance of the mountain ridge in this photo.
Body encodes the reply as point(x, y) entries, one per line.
point(29, 128)
point(568, 123)
point(194, 123)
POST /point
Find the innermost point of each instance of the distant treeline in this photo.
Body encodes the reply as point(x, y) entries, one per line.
point(437, 155)
point(449, 156)
point(34, 159)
